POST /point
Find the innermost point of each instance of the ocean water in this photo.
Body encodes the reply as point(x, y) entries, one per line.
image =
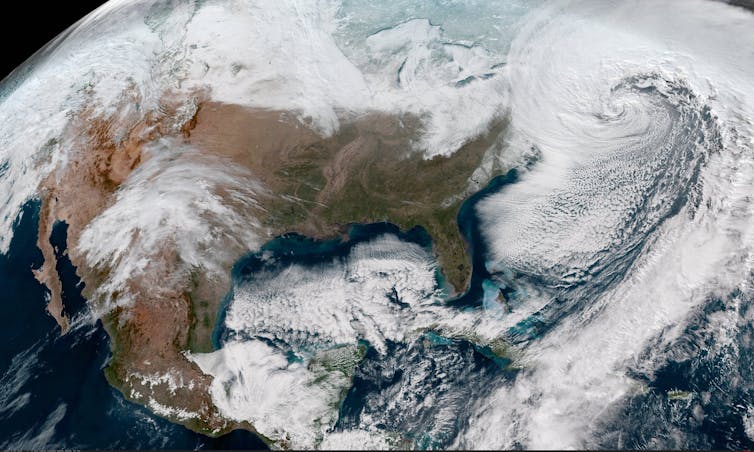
point(292, 248)
point(418, 389)
point(423, 390)
point(618, 266)
point(470, 229)
point(53, 393)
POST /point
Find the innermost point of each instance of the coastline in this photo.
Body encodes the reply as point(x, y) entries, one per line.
point(298, 248)
point(294, 247)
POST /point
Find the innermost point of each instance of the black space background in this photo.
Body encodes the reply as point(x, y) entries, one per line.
point(28, 25)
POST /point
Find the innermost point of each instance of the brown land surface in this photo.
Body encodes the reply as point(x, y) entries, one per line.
point(148, 338)
point(367, 172)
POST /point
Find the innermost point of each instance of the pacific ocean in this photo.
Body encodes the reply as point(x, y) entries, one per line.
point(53, 392)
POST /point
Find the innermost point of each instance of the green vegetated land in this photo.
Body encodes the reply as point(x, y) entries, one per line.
point(369, 171)
point(363, 175)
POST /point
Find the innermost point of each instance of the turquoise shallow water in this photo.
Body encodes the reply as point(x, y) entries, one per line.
point(292, 248)
point(461, 370)
point(628, 278)
point(425, 388)
point(53, 393)
point(52, 389)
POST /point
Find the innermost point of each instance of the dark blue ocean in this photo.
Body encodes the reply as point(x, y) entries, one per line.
point(723, 385)
point(53, 393)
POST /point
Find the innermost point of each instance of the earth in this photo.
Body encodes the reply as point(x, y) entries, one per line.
point(414, 224)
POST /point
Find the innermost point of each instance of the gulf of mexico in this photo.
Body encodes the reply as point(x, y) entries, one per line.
point(53, 392)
